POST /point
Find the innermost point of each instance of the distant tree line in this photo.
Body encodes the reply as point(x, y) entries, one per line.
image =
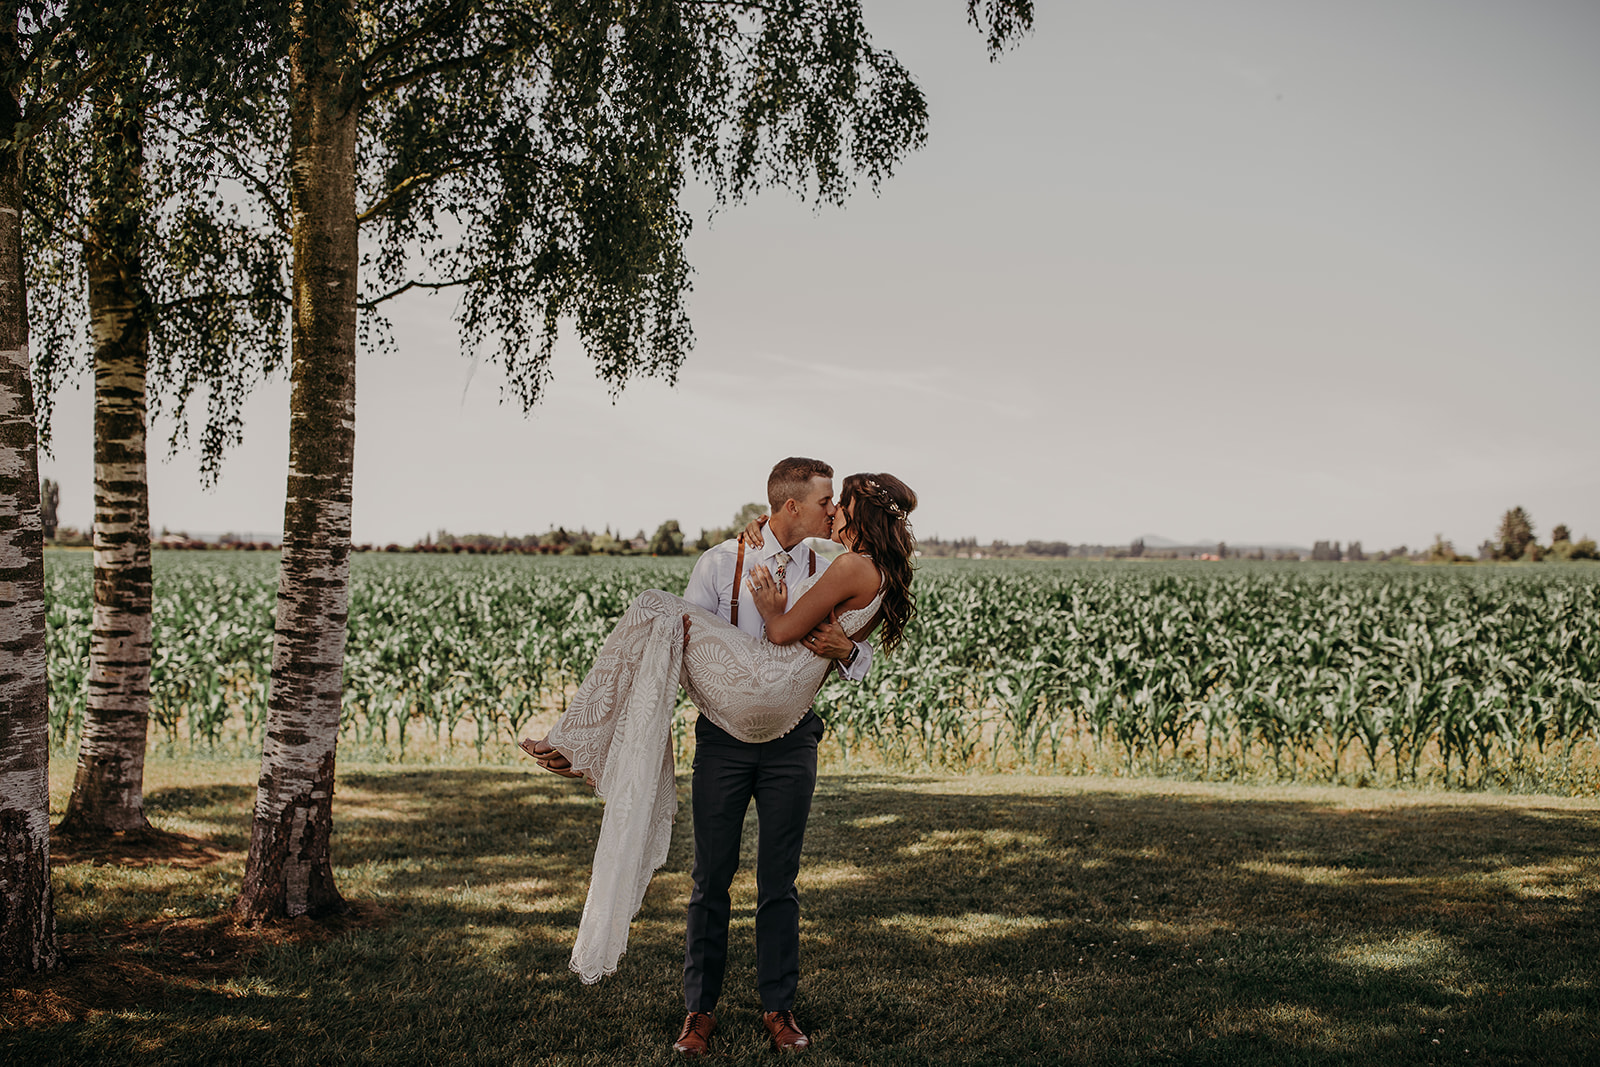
point(668, 540)
point(556, 541)
point(969, 548)
point(1513, 542)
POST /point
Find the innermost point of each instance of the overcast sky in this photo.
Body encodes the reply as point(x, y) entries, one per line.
point(1256, 271)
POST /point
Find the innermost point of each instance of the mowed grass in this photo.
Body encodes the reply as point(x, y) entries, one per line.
point(959, 920)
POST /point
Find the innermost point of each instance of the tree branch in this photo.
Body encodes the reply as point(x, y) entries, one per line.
point(263, 188)
point(743, 5)
point(426, 28)
point(415, 182)
point(51, 220)
point(220, 298)
point(428, 70)
point(406, 187)
point(368, 305)
point(48, 107)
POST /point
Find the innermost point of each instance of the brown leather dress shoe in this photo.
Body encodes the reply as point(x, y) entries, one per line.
point(696, 1037)
point(785, 1032)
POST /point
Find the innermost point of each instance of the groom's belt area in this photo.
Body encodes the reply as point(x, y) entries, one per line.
point(738, 573)
point(704, 722)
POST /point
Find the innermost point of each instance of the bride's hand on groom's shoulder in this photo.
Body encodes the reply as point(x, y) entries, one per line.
point(752, 532)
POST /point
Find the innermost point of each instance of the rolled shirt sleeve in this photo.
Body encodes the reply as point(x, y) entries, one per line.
point(857, 670)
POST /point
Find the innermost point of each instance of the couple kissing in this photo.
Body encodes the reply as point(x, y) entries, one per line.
point(762, 622)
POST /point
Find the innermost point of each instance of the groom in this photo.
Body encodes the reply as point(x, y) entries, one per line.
point(780, 775)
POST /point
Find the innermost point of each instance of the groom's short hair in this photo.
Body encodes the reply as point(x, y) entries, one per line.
point(790, 478)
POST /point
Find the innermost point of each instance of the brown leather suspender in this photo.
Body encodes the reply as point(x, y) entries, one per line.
point(738, 573)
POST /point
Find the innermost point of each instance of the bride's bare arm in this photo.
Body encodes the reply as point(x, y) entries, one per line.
point(850, 581)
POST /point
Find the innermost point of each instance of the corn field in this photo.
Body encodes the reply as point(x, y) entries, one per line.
point(1465, 675)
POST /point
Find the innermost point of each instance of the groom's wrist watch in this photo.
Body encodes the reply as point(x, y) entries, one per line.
point(850, 660)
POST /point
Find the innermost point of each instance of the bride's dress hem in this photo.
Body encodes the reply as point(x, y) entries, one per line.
point(605, 972)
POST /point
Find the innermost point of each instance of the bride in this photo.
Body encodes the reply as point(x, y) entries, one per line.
point(616, 733)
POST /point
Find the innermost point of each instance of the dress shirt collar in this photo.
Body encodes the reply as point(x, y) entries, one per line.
point(771, 548)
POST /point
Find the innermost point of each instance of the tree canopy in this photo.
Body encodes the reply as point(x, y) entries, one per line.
point(533, 156)
point(121, 175)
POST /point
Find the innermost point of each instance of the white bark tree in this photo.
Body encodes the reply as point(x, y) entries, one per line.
point(108, 789)
point(27, 915)
point(289, 870)
point(167, 268)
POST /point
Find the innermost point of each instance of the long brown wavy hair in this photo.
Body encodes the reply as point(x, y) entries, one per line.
point(881, 521)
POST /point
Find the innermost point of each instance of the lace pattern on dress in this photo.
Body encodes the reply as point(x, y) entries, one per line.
point(617, 730)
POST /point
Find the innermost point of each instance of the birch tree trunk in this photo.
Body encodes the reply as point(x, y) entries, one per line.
point(289, 871)
point(27, 914)
point(108, 791)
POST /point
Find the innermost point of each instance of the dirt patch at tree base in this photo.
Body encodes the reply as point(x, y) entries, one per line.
point(132, 848)
point(159, 962)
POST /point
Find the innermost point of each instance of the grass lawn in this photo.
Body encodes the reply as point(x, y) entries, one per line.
point(946, 920)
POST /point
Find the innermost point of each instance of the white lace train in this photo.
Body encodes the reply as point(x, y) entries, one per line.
point(617, 731)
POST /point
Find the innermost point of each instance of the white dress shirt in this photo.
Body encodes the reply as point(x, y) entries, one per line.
point(712, 582)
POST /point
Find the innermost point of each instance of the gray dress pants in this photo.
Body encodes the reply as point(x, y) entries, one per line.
point(780, 776)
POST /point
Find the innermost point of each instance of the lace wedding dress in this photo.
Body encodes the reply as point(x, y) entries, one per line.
point(617, 731)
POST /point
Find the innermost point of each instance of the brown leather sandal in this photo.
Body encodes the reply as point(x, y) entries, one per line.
point(548, 758)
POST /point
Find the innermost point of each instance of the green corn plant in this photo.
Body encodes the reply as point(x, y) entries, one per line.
point(1291, 666)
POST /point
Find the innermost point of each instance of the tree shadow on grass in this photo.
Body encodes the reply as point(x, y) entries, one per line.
point(1204, 929)
point(132, 848)
point(939, 927)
